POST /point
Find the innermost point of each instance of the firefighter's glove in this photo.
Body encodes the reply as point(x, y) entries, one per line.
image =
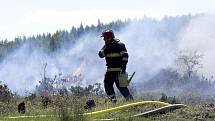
point(101, 54)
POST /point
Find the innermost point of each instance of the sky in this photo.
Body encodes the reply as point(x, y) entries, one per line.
point(32, 17)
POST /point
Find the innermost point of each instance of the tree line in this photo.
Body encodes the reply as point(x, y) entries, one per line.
point(53, 42)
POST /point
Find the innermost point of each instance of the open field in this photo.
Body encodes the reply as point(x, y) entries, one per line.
point(69, 109)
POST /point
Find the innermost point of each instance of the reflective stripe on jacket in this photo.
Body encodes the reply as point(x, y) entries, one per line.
point(115, 54)
point(114, 69)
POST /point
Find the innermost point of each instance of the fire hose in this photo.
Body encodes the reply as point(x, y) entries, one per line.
point(166, 107)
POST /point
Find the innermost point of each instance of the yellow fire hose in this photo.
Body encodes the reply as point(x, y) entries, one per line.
point(166, 107)
point(125, 107)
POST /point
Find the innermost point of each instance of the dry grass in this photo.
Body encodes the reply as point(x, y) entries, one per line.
point(69, 108)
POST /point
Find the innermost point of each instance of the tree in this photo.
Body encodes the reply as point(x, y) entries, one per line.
point(46, 85)
point(189, 62)
point(55, 41)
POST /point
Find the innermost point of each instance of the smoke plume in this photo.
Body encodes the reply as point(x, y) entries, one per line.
point(199, 36)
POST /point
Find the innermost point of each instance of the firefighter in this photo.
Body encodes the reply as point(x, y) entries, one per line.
point(116, 57)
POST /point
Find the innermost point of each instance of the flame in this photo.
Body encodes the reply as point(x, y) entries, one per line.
point(78, 70)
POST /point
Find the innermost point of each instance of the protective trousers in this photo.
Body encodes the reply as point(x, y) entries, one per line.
point(111, 78)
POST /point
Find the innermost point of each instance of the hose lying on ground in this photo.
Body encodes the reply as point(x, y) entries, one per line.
point(125, 107)
point(167, 107)
point(149, 113)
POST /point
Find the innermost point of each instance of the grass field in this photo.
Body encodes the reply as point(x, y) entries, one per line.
point(70, 108)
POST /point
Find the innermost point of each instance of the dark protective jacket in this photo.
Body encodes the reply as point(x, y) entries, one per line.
point(115, 54)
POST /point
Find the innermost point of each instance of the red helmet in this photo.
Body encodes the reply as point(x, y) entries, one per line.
point(108, 33)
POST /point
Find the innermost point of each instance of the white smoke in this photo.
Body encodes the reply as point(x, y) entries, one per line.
point(22, 70)
point(148, 52)
point(199, 36)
